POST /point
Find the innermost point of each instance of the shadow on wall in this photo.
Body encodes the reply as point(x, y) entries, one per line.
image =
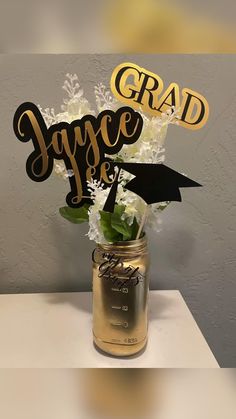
point(74, 255)
point(169, 248)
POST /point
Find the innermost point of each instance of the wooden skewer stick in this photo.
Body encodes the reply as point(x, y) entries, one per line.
point(144, 218)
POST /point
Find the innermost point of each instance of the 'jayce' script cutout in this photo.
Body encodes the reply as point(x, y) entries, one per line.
point(140, 88)
point(82, 144)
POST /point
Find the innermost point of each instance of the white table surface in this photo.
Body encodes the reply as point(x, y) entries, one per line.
point(55, 331)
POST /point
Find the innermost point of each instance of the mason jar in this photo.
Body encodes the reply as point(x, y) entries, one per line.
point(120, 293)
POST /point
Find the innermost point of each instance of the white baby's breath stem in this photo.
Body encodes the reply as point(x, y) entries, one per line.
point(144, 218)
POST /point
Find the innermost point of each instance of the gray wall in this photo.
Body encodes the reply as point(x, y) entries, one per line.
point(40, 252)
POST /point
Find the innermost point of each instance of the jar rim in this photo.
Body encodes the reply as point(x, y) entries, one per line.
point(130, 244)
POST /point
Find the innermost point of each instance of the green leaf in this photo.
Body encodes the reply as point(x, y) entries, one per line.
point(110, 234)
point(75, 215)
point(121, 226)
point(134, 228)
point(114, 228)
point(119, 209)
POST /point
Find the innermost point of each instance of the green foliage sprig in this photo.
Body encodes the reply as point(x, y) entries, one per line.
point(113, 226)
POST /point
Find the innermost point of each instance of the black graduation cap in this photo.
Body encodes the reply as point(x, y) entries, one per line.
point(152, 182)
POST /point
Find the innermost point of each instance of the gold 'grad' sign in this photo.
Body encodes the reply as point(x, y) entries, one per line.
point(139, 88)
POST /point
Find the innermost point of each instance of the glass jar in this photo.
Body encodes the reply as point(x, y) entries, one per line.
point(120, 292)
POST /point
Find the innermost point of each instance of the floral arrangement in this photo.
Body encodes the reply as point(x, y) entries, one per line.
point(131, 214)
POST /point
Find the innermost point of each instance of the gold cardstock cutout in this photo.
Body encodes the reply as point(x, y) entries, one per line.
point(142, 89)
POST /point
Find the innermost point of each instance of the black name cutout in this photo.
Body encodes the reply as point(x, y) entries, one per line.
point(82, 144)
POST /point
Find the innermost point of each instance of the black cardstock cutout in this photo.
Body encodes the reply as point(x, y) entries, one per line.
point(29, 125)
point(152, 182)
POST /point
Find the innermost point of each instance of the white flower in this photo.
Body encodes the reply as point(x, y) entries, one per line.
point(149, 147)
point(98, 195)
point(75, 106)
point(104, 98)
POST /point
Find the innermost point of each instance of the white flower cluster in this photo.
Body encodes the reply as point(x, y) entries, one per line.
point(149, 148)
point(75, 106)
point(104, 99)
point(99, 196)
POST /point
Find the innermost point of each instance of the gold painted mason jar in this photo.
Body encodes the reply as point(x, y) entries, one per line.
point(120, 292)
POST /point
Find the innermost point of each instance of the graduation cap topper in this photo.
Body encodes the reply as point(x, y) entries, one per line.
point(152, 182)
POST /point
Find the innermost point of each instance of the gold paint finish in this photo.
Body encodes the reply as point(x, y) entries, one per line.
point(120, 290)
